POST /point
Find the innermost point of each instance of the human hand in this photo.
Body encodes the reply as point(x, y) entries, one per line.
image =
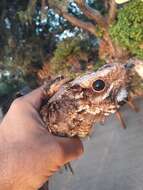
point(29, 154)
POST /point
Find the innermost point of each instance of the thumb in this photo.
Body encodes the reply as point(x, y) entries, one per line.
point(35, 97)
point(72, 148)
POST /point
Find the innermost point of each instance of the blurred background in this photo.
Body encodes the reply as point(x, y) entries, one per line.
point(43, 38)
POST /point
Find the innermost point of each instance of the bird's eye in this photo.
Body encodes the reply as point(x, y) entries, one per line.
point(98, 85)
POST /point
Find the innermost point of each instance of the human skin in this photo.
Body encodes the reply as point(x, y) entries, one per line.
point(29, 154)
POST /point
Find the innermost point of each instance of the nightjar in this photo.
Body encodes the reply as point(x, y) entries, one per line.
point(72, 107)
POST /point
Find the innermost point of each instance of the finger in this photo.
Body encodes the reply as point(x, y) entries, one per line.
point(72, 148)
point(35, 97)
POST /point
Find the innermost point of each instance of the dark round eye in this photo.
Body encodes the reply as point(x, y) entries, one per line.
point(98, 85)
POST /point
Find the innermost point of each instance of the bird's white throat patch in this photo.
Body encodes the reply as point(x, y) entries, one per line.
point(122, 94)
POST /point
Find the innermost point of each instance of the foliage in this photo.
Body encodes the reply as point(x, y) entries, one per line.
point(28, 36)
point(128, 30)
point(72, 56)
point(25, 40)
point(99, 63)
point(66, 48)
point(71, 46)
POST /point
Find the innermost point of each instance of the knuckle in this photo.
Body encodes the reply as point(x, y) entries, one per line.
point(71, 150)
point(60, 153)
point(17, 103)
point(78, 148)
point(81, 149)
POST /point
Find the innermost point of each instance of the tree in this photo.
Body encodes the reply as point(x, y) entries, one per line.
point(128, 30)
point(72, 56)
point(25, 41)
point(117, 31)
point(97, 23)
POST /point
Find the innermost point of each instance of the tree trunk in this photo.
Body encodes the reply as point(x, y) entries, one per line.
point(110, 51)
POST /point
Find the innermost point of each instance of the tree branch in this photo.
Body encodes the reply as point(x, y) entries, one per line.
point(112, 11)
point(81, 24)
point(87, 26)
point(91, 13)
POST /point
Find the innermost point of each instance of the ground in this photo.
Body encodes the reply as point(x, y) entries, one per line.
point(113, 158)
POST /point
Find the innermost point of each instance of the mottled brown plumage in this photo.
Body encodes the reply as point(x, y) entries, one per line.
point(74, 106)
